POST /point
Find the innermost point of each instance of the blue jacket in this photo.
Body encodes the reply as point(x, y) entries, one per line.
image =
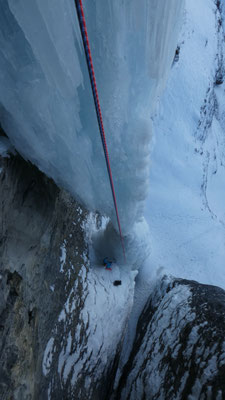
point(107, 263)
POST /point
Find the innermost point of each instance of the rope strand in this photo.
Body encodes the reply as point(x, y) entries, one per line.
point(87, 50)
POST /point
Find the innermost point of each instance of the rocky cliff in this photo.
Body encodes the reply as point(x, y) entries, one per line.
point(62, 320)
point(179, 348)
point(36, 218)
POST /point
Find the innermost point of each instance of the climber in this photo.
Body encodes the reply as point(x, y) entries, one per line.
point(107, 264)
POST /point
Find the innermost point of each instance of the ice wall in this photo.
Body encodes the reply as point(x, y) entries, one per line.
point(46, 105)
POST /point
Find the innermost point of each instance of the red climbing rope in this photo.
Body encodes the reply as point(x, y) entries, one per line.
point(87, 50)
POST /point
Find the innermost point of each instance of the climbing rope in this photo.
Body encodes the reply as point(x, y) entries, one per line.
point(87, 50)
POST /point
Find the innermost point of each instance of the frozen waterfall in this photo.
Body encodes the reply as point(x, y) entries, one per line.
point(46, 106)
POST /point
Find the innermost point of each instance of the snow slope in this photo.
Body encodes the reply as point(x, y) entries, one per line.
point(46, 106)
point(186, 208)
point(94, 319)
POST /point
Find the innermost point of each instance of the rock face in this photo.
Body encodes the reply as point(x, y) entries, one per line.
point(179, 348)
point(62, 320)
point(36, 219)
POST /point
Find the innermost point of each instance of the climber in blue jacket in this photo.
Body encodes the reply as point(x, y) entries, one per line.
point(107, 264)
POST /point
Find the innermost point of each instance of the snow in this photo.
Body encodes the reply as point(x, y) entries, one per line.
point(63, 256)
point(185, 207)
point(46, 106)
point(103, 304)
point(47, 359)
point(93, 320)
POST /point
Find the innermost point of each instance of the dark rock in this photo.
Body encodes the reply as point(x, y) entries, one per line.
point(53, 336)
point(219, 80)
point(36, 217)
point(177, 54)
point(179, 348)
point(117, 283)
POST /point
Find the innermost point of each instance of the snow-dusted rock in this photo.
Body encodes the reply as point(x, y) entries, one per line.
point(36, 218)
point(62, 320)
point(179, 348)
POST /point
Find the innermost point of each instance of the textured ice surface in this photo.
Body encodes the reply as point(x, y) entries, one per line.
point(46, 105)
